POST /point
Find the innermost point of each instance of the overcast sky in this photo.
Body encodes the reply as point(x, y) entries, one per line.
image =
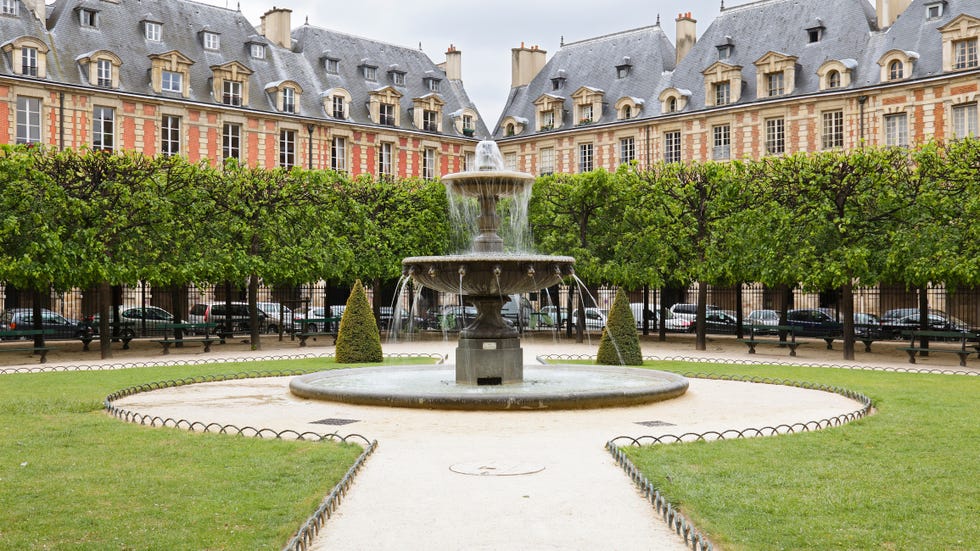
point(484, 31)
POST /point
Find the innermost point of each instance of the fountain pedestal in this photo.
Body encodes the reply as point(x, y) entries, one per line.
point(485, 362)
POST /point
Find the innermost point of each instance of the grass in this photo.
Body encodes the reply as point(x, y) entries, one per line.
point(71, 477)
point(905, 478)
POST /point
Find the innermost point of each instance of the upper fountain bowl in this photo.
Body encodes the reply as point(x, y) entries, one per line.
point(497, 183)
point(488, 275)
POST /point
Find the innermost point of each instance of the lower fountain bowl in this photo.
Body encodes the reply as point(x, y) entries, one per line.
point(488, 274)
point(544, 388)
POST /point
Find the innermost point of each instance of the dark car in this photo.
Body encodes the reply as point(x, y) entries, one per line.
point(814, 322)
point(16, 319)
point(867, 326)
point(715, 321)
point(403, 319)
point(895, 322)
point(217, 313)
point(450, 318)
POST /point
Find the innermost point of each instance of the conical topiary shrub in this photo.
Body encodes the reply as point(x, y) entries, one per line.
point(358, 340)
point(619, 344)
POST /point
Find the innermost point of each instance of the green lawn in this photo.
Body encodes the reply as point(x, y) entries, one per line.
point(905, 478)
point(72, 477)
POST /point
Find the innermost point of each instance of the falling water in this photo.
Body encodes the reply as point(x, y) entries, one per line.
point(584, 291)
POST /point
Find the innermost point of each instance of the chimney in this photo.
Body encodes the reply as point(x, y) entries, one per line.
point(277, 27)
point(889, 10)
point(526, 63)
point(454, 63)
point(37, 7)
point(687, 28)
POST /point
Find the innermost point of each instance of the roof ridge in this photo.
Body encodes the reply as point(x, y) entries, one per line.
point(359, 37)
point(610, 35)
point(754, 4)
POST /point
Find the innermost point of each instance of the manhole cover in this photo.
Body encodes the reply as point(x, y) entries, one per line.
point(334, 422)
point(496, 468)
point(655, 423)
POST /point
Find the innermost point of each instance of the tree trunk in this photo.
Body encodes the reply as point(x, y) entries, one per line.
point(701, 341)
point(646, 308)
point(255, 331)
point(105, 323)
point(739, 319)
point(38, 321)
point(847, 311)
point(924, 318)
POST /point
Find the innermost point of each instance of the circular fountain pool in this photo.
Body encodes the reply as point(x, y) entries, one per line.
point(543, 387)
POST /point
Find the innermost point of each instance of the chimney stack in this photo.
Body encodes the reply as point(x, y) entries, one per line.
point(526, 63)
point(687, 28)
point(277, 27)
point(454, 63)
point(889, 10)
point(38, 8)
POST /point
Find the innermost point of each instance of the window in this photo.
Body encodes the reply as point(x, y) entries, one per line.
point(8, 7)
point(338, 154)
point(432, 84)
point(172, 81)
point(370, 73)
point(103, 73)
point(814, 34)
point(287, 148)
point(775, 136)
point(965, 120)
point(627, 150)
point(723, 93)
point(627, 112)
point(672, 147)
point(833, 130)
point(623, 71)
point(896, 130)
point(257, 51)
point(231, 93)
point(429, 163)
point(965, 54)
point(724, 51)
point(231, 141)
point(585, 112)
point(288, 100)
point(212, 41)
point(585, 157)
point(152, 31)
point(397, 78)
point(833, 79)
point(28, 61)
point(775, 84)
point(331, 66)
point(384, 160)
point(28, 120)
point(469, 161)
point(468, 127)
point(170, 135)
point(547, 120)
point(510, 129)
point(510, 161)
point(103, 128)
point(429, 122)
point(87, 18)
point(934, 11)
point(722, 149)
point(338, 107)
point(672, 105)
point(896, 70)
point(386, 114)
point(546, 163)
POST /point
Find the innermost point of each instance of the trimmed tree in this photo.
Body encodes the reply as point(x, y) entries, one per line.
point(619, 344)
point(358, 340)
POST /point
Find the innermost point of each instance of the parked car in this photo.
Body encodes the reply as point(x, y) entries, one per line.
point(639, 314)
point(895, 321)
point(216, 313)
point(715, 321)
point(450, 318)
point(689, 310)
point(867, 326)
point(595, 318)
point(276, 316)
point(815, 322)
point(15, 319)
point(135, 318)
point(312, 313)
point(404, 319)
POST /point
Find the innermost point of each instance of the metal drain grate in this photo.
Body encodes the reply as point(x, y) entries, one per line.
point(655, 424)
point(335, 422)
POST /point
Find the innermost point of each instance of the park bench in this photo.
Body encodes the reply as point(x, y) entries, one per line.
point(755, 330)
point(21, 334)
point(962, 337)
point(327, 325)
point(867, 340)
point(206, 339)
point(122, 331)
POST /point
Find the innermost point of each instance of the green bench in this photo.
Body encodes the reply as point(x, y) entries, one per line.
point(21, 334)
point(206, 340)
point(305, 326)
point(962, 337)
point(755, 330)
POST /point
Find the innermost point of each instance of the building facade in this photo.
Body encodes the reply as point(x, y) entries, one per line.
point(765, 78)
point(176, 77)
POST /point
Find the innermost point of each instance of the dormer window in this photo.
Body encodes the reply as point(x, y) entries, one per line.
point(386, 114)
point(153, 31)
point(230, 83)
point(286, 95)
point(833, 79)
point(896, 65)
point(28, 56)
point(814, 34)
point(171, 81)
point(627, 112)
point(432, 84)
point(103, 71)
point(101, 67)
point(959, 38)
point(231, 93)
point(547, 120)
point(369, 72)
point(628, 107)
point(775, 74)
point(671, 105)
point(212, 41)
point(397, 78)
point(427, 112)
point(510, 130)
point(896, 70)
point(257, 51)
point(88, 18)
point(331, 65)
point(722, 83)
point(965, 54)
point(337, 107)
point(934, 10)
point(513, 126)
point(430, 121)
point(774, 83)
point(585, 114)
point(725, 49)
point(723, 93)
point(335, 102)
point(624, 70)
point(28, 61)
point(8, 7)
point(557, 83)
point(384, 107)
point(288, 100)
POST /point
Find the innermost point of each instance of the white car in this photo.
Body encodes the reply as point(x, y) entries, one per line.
point(595, 318)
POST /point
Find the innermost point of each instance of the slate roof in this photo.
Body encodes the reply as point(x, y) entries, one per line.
point(850, 35)
point(120, 31)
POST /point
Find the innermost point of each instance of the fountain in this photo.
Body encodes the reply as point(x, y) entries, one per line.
point(489, 369)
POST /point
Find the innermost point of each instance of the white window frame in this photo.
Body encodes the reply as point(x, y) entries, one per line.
point(775, 136)
point(832, 129)
point(231, 141)
point(965, 54)
point(397, 78)
point(231, 93)
point(370, 73)
point(429, 163)
point(331, 65)
point(171, 81)
point(965, 120)
point(934, 10)
point(672, 146)
point(9, 7)
point(586, 157)
point(28, 120)
point(212, 41)
point(287, 148)
point(338, 154)
point(103, 128)
point(29, 61)
point(152, 31)
point(775, 83)
point(339, 110)
point(170, 135)
point(546, 164)
point(723, 92)
point(896, 69)
point(721, 136)
point(288, 100)
point(896, 128)
point(257, 51)
point(430, 120)
point(88, 18)
point(510, 161)
point(386, 114)
point(627, 150)
point(103, 72)
point(385, 159)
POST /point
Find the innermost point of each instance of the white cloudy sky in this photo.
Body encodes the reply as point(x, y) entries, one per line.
point(483, 31)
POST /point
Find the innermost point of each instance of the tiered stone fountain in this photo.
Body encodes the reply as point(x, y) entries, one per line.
point(489, 370)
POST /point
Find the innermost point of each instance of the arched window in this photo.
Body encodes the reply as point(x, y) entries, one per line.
point(627, 112)
point(510, 129)
point(672, 105)
point(833, 79)
point(896, 70)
